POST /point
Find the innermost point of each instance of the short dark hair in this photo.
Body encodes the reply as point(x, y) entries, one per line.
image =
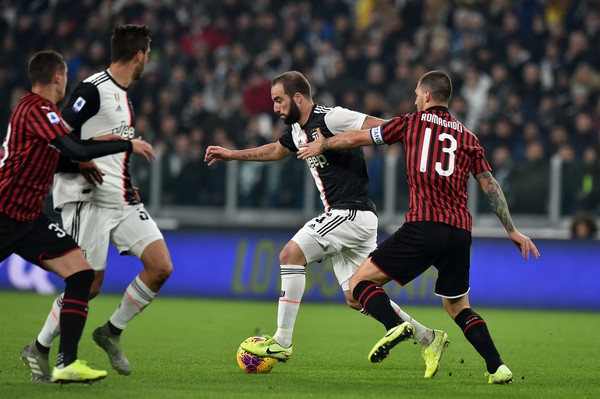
point(586, 219)
point(439, 85)
point(43, 65)
point(127, 40)
point(293, 82)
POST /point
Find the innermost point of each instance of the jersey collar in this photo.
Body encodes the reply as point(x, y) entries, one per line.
point(437, 108)
point(114, 81)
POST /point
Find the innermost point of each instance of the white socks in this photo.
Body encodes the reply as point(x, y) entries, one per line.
point(293, 281)
point(136, 298)
point(423, 335)
point(51, 328)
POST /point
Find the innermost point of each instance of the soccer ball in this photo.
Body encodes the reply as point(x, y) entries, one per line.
point(254, 364)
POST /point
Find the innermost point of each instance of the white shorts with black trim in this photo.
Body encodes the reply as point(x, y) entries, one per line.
point(129, 228)
point(345, 236)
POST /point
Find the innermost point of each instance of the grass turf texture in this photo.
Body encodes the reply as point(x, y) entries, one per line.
point(185, 348)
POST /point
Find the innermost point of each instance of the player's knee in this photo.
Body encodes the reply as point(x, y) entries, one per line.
point(159, 271)
point(454, 306)
point(164, 272)
point(94, 292)
point(353, 304)
point(284, 255)
point(96, 284)
point(353, 281)
point(289, 256)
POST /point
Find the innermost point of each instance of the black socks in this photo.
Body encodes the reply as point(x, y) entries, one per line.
point(376, 302)
point(475, 330)
point(73, 314)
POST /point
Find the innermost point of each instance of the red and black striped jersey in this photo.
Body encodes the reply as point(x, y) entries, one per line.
point(440, 154)
point(28, 161)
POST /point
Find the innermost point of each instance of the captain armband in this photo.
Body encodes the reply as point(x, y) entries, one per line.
point(377, 136)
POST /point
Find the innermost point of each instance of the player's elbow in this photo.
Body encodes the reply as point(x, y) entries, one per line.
point(80, 155)
point(74, 151)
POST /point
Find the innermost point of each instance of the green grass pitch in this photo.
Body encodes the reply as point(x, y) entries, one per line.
point(185, 348)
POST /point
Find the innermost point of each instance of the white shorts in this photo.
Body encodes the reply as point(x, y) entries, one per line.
point(129, 228)
point(345, 236)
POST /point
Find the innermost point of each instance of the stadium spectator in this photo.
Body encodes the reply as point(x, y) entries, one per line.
point(502, 164)
point(588, 193)
point(571, 172)
point(529, 181)
point(475, 89)
point(275, 59)
point(516, 56)
point(548, 113)
point(550, 64)
point(513, 111)
point(584, 133)
point(256, 93)
point(505, 134)
point(578, 51)
point(401, 84)
point(583, 226)
point(531, 88)
point(557, 136)
point(585, 75)
point(501, 85)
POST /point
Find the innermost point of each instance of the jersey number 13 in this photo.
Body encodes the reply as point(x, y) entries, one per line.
point(448, 148)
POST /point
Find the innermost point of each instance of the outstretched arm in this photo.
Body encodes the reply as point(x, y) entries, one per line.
point(342, 141)
point(495, 197)
point(268, 152)
point(371, 122)
point(84, 150)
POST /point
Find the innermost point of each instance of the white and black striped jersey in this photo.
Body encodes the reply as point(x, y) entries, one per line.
point(340, 175)
point(98, 105)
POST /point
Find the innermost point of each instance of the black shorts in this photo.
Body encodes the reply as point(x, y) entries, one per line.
point(416, 246)
point(34, 241)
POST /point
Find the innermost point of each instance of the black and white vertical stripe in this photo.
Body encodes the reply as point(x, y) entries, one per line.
point(76, 222)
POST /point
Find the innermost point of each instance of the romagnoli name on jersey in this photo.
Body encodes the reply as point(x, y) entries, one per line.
point(433, 118)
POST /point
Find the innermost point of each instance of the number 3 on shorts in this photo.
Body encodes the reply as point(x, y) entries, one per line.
point(143, 215)
point(60, 233)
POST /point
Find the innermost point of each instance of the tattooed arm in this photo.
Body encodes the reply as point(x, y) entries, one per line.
point(268, 152)
point(495, 197)
point(342, 141)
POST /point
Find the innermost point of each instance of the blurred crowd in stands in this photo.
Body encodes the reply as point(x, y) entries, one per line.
point(526, 80)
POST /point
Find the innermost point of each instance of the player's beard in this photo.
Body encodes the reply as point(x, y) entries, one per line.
point(293, 116)
point(137, 74)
